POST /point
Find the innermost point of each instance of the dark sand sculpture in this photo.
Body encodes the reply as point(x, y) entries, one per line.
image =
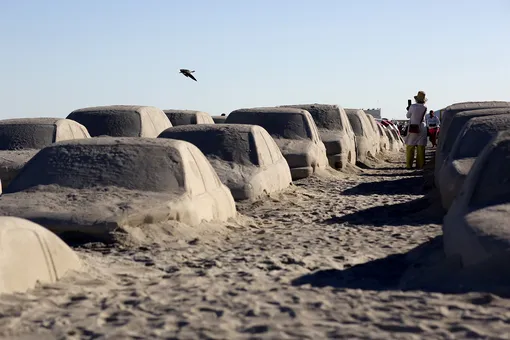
point(373, 124)
point(21, 139)
point(476, 228)
point(364, 134)
point(295, 133)
point(99, 187)
point(245, 157)
point(474, 136)
point(335, 132)
point(187, 117)
point(122, 120)
point(449, 135)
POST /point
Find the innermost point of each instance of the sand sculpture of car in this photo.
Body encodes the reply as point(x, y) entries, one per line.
point(29, 254)
point(335, 132)
point(398, 138)
point(22, 138)
point(394, 140)
point(122, 120)
point(475, 134)
point(447, 114)
point(476, 228)
point(295, 133)
point(219, 119)
point(363, 134)
point(245, 157)
point(376, 139)
point(384, 141)
point(449, 136)
point(96, 188)
point(389, 124)
point(395, 144)
point(187, 117)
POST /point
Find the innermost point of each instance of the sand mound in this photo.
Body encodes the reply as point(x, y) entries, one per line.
point(29, 254)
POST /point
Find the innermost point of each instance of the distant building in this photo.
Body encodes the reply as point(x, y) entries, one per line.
point(376, 113)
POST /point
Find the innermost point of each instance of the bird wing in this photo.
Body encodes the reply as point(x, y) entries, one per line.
point(191, 76)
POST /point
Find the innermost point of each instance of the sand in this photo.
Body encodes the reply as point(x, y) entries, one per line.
point(326, 258)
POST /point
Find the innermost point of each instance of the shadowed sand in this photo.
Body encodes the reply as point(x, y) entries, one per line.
point(309, 263)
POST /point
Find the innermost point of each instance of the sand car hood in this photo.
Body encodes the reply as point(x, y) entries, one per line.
point(334, 141)
point(95, 212)
point(298, 153)
point(236, 177)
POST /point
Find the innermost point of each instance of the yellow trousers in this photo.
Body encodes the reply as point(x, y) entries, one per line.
point(420, 156)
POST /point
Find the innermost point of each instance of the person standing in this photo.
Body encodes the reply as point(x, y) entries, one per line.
point(432, 126)
point(416, 138)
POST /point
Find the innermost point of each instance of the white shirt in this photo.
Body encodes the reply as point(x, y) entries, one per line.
point(432, 120)
point(415, 114)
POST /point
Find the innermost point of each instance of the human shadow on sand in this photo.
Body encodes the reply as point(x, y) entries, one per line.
point(423, 268)
point(416, 212)
point(402, 186)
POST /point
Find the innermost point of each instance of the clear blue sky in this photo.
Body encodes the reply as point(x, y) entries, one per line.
point(57, 56)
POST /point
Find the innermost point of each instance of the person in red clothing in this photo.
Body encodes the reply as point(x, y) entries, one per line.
point(432, 127)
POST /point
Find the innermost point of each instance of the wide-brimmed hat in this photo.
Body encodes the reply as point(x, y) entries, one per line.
point(421, 97)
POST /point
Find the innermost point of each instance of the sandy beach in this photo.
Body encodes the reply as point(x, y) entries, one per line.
point(328, 258)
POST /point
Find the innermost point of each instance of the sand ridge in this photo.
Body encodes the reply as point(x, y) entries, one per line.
point(323, 259)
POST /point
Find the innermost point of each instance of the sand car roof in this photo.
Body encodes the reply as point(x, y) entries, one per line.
point(185, 117)
point(36, 133)
point(326, 116)
point(458, 122)
point(477, 132)
point(239, 143)
point(279, 122)
point(359, 122)
point(145, 164)
point(122, 120)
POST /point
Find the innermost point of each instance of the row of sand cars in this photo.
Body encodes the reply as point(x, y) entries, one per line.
point(472, 173)
point(104, 170)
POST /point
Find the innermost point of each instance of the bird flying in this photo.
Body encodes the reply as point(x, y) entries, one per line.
point(187, 73)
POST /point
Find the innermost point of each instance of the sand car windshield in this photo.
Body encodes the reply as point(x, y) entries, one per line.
point(136, 167)
point(26, 136)
point(231, 146)
point(111, 123)
point(356, 124)
point(329, 119)
point(279, 125)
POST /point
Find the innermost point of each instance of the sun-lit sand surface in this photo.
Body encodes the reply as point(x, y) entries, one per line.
point(324, 259)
